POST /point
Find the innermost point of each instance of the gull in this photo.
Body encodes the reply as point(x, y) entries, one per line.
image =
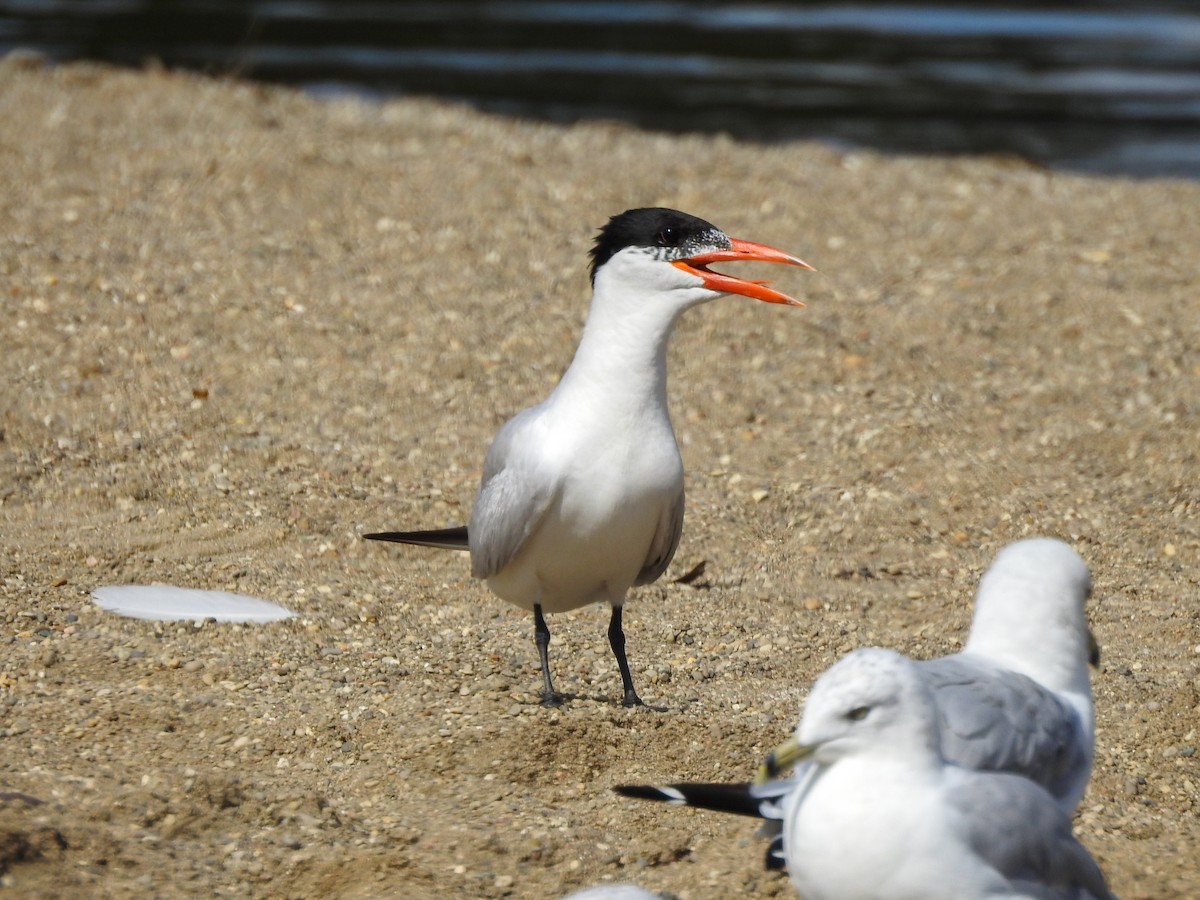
point(1016, 699)
point(582, 495)
point(879, 812)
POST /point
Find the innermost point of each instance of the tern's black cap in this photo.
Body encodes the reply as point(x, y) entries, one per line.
point(654, 227)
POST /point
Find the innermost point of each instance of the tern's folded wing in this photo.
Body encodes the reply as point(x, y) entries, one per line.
point(666, 540)
point(513, 498)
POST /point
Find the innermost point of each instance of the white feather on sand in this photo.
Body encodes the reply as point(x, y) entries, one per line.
point(164, 603)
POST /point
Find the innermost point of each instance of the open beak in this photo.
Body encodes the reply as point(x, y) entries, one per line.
point(742, 251)
point(782, 758)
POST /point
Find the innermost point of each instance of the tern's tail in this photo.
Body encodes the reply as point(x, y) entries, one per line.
point(444, 538)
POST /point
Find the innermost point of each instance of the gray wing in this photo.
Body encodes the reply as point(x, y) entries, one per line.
point(512, 499)
point(1017, 828)
point(772, 799)
point(666, 541)
point(996, 720)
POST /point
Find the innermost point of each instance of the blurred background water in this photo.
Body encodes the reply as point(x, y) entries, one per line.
point(1097, 86)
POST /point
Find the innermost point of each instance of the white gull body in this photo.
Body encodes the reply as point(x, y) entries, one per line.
point(881, 815)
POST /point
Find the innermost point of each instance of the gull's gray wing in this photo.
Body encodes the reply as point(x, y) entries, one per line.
point(666, 541)
point(1018, 829)
point(513, 498)
point(996, 720)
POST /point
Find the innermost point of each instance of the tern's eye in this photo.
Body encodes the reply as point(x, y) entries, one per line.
point(858, 713)
point(668, 236)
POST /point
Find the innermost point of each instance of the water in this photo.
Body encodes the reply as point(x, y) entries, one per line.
point(1102, 87)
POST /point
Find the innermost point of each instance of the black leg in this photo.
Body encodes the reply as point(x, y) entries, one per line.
point(541, 634)
point(616, 640)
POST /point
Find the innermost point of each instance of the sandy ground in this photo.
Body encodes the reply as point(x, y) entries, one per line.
point(243, 326)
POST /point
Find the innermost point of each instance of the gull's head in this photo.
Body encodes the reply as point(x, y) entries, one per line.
point(871, 702)
point(1030, 613)
point(642, 252)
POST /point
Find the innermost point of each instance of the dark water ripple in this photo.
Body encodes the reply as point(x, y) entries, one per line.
point(1100, 86)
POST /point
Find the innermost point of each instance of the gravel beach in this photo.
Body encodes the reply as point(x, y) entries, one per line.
point(243, 326)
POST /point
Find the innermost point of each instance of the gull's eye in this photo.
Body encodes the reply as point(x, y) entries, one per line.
point(858, 713)
point(668, 236)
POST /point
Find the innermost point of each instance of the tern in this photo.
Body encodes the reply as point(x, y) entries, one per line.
point(582, 495)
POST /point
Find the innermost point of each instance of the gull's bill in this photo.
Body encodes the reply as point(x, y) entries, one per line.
point(783, 758)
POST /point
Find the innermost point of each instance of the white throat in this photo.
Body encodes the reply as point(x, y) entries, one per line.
point(623, 351)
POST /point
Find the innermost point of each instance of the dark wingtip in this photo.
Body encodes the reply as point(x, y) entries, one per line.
point(396, 537)
point(454, 538)
point(775, 859)
point(640, 792)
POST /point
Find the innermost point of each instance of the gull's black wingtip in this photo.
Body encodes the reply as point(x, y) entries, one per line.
point(735, 798)
point(645, 792)
point(775, 859)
